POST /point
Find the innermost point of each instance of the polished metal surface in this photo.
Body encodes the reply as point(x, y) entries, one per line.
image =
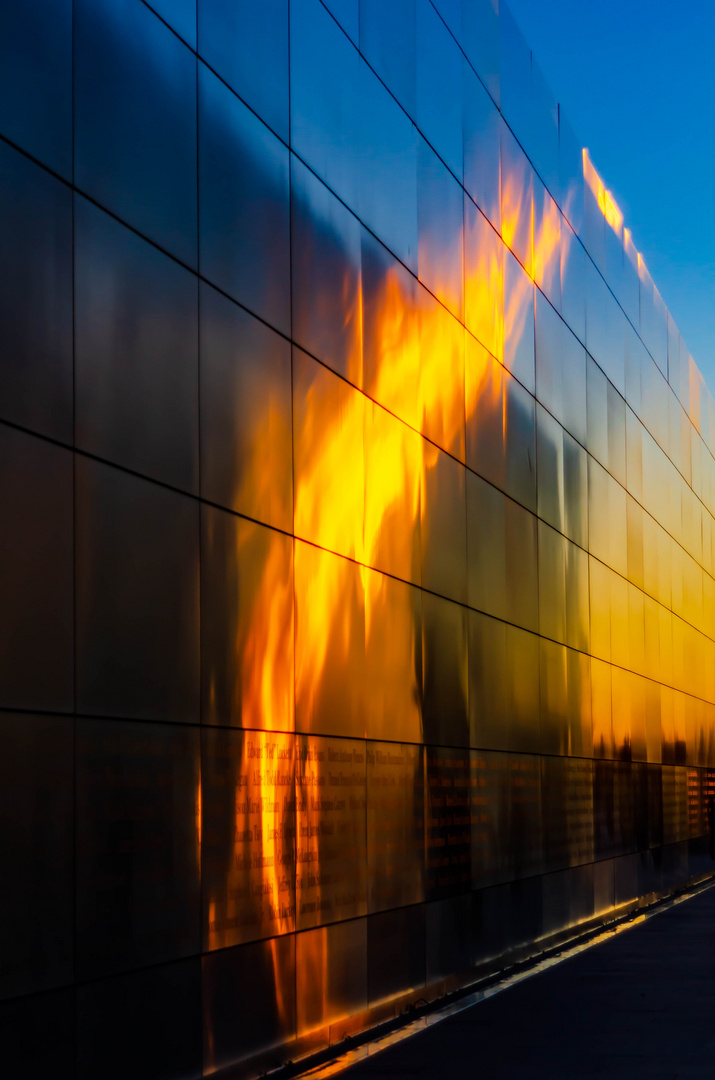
point(357, 608)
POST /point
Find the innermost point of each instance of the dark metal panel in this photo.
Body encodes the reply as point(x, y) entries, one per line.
point(37, 1035)
point(136, 352)
point(151, 1020)
point(444, 672)
point(395, 825)
point(246, 440)
point(249, 1002)
point(36, 574)
point(36, 811)
point(35, 298)
point(137, 597)
point(137, 845)
point(36, 80)
point(395, 952)
point(447, 821)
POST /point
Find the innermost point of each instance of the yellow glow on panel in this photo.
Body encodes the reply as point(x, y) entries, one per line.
point(606, 203)
point(364, 464)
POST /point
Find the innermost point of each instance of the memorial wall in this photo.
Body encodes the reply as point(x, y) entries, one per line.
point(357, 609)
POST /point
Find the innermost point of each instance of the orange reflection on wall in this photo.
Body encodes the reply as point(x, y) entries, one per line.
point(606, 203)
point(362, 472)
point(266, 687)
point(248, 856)
point(547, 244)
point(362, 466)
point(483, 281)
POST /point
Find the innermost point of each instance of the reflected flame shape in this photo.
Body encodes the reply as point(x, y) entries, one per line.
point(367, 469)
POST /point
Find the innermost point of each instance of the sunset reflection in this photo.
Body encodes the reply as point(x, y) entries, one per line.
point(416, 495)
point(357, 526)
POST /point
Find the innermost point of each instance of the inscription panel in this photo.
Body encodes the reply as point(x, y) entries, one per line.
point(395, 825)
point(331, 842)
point(248, 836)
point(505, 810)
point(567, 812)
point(447, 821)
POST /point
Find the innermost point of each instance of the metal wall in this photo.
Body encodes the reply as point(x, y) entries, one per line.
point(357, 608)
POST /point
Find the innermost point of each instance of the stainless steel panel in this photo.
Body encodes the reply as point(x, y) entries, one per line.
point(244, 204)
point(484, 256)
point(36, 81)
point(247, 639)
point(482, 132)
point(444, 671)
point(135, 121)
point(329, 458)
point(500, 426)
point(247, 45)
point(248, 828)
point(346, 13)
point(501, 555)
point(443, 526)
point(249, 1002)
point(325, 275)
point(36, 573)
point(395, 952)
point(441, 377)
point(138, 838)
point(439, 86)
point(330, 688)
point(567, 812)
point(448, 936)
point(395, 825)
point(391, 332)
point(150, 1018)
point(519, 322)
point(445, 605)
point(447, 821)
point(480, 28)
point(36, 811)
point(136, 352)
point(517, 193)
point(506, 816)
point(350, 131)
point(137, 597)
point(181, 16)
point(35, 298)
point(331, 974)
point(440, 210)
point(331, 839)
point(246, 421)
point(387, 41)
point(37, 1034)
point(393, 658)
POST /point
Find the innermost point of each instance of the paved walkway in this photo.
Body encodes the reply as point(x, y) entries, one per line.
point(639, 1005)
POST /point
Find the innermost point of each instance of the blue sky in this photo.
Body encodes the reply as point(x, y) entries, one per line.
point(637, 80)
